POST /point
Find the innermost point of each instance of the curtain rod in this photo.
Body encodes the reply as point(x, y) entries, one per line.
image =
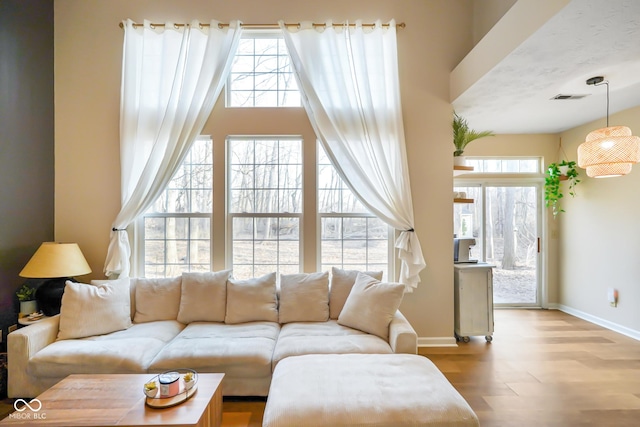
point(266, 26)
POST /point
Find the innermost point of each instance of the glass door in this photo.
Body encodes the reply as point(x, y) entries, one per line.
point(505, 220)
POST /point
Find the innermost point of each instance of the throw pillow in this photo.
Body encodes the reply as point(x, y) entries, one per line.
point(157, 299)
point(204, 297)
point(371, 305)
point(304, 297)
point(252, 300)
point(341, 283)
point(89, 310)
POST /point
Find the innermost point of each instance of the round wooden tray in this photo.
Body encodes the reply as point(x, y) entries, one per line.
point(183, 393)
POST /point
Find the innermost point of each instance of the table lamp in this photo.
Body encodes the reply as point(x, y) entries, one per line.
point(58, 262)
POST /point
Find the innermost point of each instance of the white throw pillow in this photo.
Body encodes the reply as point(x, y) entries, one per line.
point(341, 283)
point(371, 305)
point(252, 300)
point(157, 299)
point(204, 297)
point(89, 310)
point(304, 297)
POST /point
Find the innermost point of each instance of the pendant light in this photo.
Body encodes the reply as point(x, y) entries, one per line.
point(609, 151)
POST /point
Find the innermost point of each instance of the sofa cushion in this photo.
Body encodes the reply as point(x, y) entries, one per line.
point(252, 300)
point(89, 310)
point(242, 350)
point(304, 297)
point(157, 299)
point(328, 337)
point(203, 297)
point(122, 352)
point(341, 283)
point(371, 305)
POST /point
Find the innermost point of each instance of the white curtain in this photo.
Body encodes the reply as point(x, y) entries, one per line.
point(171, 79)
point(349, 80)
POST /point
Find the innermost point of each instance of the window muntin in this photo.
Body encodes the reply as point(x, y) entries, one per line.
point(350, 236)
point(176, 229)
point(265, 205)
point(261, 74)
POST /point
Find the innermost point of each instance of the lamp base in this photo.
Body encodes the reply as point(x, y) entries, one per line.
point(49, 295)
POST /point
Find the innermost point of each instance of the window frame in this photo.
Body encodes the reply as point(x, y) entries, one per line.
point(260, 34)
point(230, 216)
point(138, 265)
point(389, 271)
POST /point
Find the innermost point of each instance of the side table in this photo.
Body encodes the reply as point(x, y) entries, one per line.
point(24, 321)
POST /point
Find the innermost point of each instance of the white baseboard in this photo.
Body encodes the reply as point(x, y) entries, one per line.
point(437, 342)
point(632, 333)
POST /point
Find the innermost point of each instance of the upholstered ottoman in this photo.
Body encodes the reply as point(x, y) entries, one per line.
point(391, 390)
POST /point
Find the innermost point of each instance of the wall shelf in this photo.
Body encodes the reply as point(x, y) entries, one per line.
point(462, 168)
point(463, 200)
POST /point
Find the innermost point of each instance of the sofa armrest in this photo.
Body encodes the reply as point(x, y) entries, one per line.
point(402, 336)
point(22, 344)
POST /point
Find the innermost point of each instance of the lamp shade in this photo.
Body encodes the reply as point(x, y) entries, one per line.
point(609, 151)
point(53, 260)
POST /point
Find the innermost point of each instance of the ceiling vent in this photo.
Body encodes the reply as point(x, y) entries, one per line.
point(563, 97)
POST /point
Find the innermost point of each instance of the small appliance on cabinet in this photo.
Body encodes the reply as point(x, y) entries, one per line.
point(473, 303)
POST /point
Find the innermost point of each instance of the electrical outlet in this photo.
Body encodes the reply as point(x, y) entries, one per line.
point(12, 328)
point(612, 297)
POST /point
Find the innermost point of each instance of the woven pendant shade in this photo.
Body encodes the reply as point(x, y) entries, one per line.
point(609, 152)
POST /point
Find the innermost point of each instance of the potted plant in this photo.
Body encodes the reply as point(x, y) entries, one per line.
point(462, 136)
point(26, 295)
point(556, 173)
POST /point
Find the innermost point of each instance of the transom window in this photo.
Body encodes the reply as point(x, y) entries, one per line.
point(265, 205)
point(505, 165)
point(261, 74)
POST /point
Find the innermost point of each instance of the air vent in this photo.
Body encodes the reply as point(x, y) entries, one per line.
point(563, 96)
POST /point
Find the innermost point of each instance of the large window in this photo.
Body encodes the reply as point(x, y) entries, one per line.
point(351, 238)
point(177, 227)
point(261, 228)
point(265, 205)
point(261, 75)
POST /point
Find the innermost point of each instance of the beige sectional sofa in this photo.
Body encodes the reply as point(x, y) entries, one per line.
point(209, 322)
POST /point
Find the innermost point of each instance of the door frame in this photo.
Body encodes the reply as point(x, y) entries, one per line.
point(516, 180)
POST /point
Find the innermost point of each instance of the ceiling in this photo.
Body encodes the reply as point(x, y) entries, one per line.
point(586, 38)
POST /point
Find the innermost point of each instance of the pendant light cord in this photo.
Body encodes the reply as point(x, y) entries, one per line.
point(604, 82)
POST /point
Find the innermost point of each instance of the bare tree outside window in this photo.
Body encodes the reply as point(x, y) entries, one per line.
point(265, 205)
point(351, 237)
point(177, 227)
point(261, 74)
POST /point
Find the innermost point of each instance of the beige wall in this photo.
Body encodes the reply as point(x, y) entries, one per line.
point(485, 15)
point(88, 47)
point(599, 239)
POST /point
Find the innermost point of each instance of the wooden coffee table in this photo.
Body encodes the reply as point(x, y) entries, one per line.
point(118, 400)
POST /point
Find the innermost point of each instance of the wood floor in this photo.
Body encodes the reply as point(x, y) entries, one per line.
point(546, 368)
point(543, 368)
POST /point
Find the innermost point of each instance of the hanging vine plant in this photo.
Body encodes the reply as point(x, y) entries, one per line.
point(556, 173)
